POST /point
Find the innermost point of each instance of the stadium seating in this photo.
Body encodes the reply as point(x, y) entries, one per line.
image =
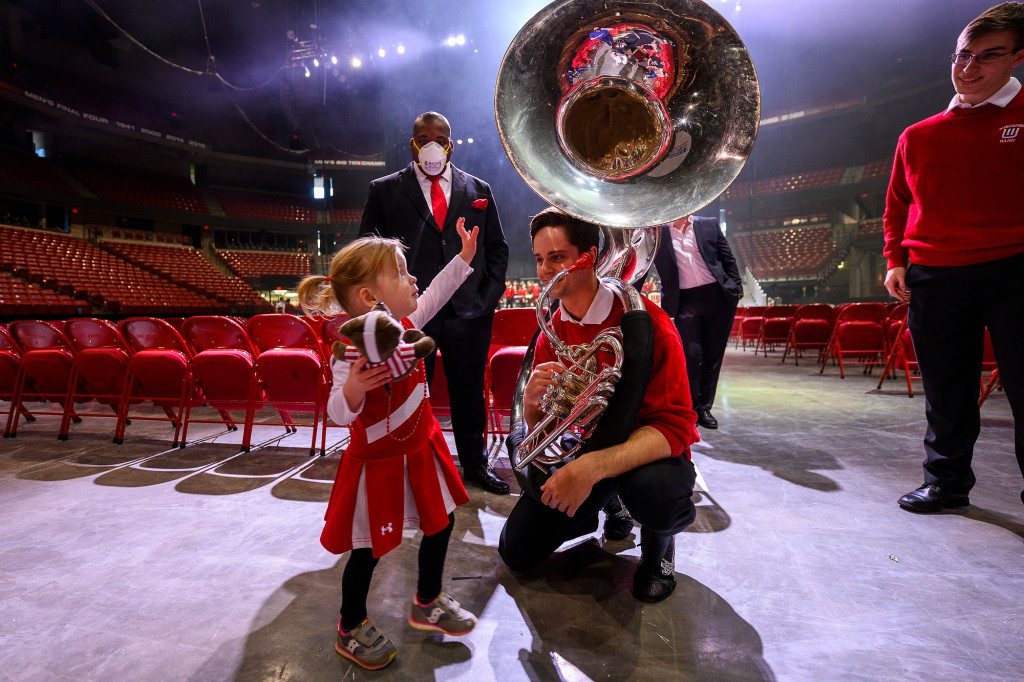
point(188, 268)
point(795, 253)
point(30, 170)
point(87, 273)
point(140, 188)
point(239, 203)
point(252, 264)
point(869, 229)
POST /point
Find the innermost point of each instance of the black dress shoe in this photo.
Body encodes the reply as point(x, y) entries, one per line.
point(485, 477)
point(618, 524)
point(652, 584)
point(705, 419)
point(931, 498)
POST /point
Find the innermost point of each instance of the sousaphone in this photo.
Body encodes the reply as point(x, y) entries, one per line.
point(629, 115)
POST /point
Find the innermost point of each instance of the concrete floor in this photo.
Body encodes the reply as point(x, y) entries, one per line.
point(143, 562)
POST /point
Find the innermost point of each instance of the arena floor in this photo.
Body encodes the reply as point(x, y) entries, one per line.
point(146, 562)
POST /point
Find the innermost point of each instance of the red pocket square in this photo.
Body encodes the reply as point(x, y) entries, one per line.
point(480, 204)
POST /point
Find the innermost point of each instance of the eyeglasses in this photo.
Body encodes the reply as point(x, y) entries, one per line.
point(964, 58)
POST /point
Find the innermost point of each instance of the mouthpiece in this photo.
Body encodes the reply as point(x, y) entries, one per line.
point(584, 262)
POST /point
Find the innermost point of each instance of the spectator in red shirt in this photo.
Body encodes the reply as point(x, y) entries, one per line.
point(954, 239)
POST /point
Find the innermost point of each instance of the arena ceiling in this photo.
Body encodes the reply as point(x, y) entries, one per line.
point(808, 53)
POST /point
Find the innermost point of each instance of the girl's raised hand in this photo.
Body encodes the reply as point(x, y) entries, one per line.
point(468, 240)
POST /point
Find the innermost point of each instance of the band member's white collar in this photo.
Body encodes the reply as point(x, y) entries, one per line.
point(599, 310)
point(1000, 98)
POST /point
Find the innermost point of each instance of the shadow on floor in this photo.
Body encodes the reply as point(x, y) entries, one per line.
point(584, 620)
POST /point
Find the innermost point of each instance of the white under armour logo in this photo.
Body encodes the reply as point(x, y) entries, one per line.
point(436, 614)
point(385, 529)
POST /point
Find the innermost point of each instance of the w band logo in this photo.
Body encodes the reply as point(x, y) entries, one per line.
point(1009, 133)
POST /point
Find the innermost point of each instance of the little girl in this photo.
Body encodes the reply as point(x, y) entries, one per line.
point(397, 471)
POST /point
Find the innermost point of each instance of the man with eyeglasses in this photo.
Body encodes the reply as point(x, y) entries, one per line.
point(954, 239)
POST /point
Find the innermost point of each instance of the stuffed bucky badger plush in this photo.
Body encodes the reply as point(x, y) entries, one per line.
point(381, 339)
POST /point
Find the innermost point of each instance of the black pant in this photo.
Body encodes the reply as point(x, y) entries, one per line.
point(355, 581)
point(657, 495)
point(949, 310)
point(463, 344)
point(704, 321)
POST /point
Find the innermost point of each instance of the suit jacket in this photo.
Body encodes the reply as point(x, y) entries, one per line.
point(713, 248)
point(396, 208)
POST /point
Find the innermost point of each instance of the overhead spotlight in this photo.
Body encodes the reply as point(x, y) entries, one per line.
point(356, 62)
point(460, 39)
point(381, 52)
point(316, 62)
point(334, 60)
point(458, 141)
point(401, 49)
point(306, 69)
point(469, 140)
point(451, 41)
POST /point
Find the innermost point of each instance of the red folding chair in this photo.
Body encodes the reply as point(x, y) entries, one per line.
point(502, 374)
point(440, 403)
point(737, 322)
point(292, 369)
point(774, 331)
point(330, 331)
point(10, 363)
point(100, 368)
point(159, 370)
point(750, 326)
point(858, 337)
point(894, 324)
point(512, 327)
point(224, 365)
point(993, 383)
point(45, 369)
point(811, 330)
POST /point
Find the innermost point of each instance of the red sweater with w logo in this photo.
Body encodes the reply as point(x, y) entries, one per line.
point(956, 196)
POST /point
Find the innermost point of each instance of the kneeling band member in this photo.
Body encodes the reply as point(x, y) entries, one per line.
point(651, 470)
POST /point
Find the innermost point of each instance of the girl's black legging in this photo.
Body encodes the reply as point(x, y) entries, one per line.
point(355, 581)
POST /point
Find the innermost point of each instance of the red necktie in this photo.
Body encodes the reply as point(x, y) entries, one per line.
point(437, 201)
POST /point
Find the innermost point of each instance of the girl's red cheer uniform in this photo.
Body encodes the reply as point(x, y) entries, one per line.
point(397, 471)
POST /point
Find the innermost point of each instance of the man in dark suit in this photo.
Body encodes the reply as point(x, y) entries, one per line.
point(700, 287)
point(420, 205)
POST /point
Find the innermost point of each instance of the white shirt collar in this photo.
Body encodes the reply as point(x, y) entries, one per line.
point(599, 310)
point(422, 177)
point(1001, 98)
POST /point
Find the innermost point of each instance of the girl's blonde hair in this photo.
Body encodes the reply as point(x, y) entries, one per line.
point(357, 264)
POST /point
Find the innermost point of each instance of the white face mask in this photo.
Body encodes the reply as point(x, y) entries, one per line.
point(432, 158)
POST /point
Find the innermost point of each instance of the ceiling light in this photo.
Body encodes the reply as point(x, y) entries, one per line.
point(334, 60)
point(381, 52)
point(401, 49)
point(460, 39)
point(356, 62)
point(316, 62)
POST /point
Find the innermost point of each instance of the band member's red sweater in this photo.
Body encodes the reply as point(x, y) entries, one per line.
point(666, 405)
point(956, 196)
